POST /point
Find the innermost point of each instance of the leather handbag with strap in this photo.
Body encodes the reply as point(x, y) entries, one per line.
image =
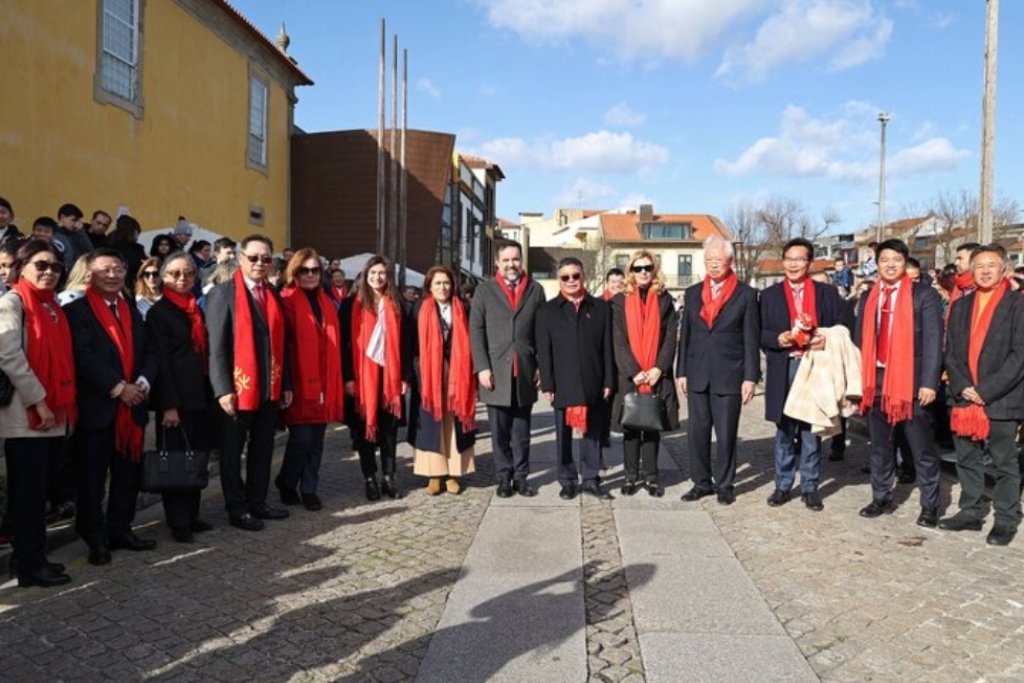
point(174, 470)
point(6, 387)
point(645, 412)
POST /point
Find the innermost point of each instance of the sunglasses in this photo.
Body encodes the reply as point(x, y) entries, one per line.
point(151, 274)
point(303, 270)
point(571, 277)
point(642, 269)
point(256, 258)
point(48, 267)
point(182, 274)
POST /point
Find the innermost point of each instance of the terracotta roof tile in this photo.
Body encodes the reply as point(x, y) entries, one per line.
point(625, 227)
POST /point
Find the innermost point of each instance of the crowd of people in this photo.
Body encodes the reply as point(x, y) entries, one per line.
point(224, 342)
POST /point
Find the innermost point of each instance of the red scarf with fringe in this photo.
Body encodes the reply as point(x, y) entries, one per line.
point(247, 369)
point(461, 398)
point(970, 421)
point(315, 351)
point(963, 285)
point(127, 434)
point(576, 416)
point(189, 305)
point(48, 349)
point(643, 327)
point(712, 306)
point(898, 384)
point(367, 372)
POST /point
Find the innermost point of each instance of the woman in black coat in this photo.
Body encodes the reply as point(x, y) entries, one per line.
point(125, 241)
point(181, 393)
point(654, 374)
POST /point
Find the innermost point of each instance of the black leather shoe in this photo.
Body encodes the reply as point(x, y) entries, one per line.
point(877, 508)
point(312, 502)
point(289, 496)
point(812, 499)
point(44, 577)
point(266, 512)
point(960, 522)
point(567, 492)
point(779, 497)
point(99, 555)
point(199, 526)
point(183, 535)
point(523, 488)
point(653, 490)
point(628, 489)
point(1001, 534)
point(12, 566)
point(726, 497)
point(696, 494)
point(594, 490)
point(246, 522)
point(836, 456)
point(929, 518)
point(372, 490)
point(132, 542)
point(389, 488)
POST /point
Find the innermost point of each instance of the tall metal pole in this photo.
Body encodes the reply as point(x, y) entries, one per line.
point(883, 118)
point(381, 225)
point(403, 212)
point(988, 123)
point(393, 182)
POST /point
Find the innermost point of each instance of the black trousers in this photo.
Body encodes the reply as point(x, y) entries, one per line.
point(720, 412)
point(640, 455)
point(62, 481)
point(920, 435)
point(510, 439)
point(97, 458)
point(970, 470)
point(590, 446)
point(27, 466)
point(387, 442)
point(252, 431)
point(181, 508)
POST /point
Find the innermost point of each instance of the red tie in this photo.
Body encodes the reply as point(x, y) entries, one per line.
point(883, 326)
point(261, 298)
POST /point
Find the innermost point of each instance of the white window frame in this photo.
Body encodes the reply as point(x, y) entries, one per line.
point(103, 89)
point(256, 137)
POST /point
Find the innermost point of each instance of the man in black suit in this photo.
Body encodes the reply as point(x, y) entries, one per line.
point(901, 360)
point(106, 332)
point(717, 368)
point(574, 351)
point(781, 306)
point(246, 502)
point(985, 362)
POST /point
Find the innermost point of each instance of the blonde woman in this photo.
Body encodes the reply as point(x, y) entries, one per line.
point(78, 280)
point(148, 288)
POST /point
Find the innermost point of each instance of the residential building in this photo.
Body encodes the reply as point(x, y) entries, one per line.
point(470, 221)
point(157, 108)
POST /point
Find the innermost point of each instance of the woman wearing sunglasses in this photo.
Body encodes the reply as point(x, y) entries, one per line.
point(645, 330)
point(313, 347)
point(36, 356)
point(148, 288)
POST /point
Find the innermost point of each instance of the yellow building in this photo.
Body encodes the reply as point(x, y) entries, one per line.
point(152, 107)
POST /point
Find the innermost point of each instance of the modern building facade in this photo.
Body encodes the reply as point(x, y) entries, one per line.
point(469, 223)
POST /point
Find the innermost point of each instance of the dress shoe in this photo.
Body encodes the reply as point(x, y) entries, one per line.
point(99, 555)
point(372, 489)
point(505, 489)
point(311, 502)
point(907, 478)
point(726, 497)
point(523, 488)
point(1001, 534)
point(246, 522)
point(389, 488)
point(696, 493)
point(877, 508)
point(960, 522)
point(289, 496)
point(929, 518)
point(453, 486)
point(568, 492)
point(594, 491)
point(434, 486)
point(44, 577)
point(183, 535)
point(199, 526)
point(779, 497)
point(12, 566)
point(836, 455)
point(266, 512)
point(132, 542)
point(812, 499)
point(628, 488)
point(653, 490)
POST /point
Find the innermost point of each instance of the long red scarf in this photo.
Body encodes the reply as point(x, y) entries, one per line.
point(315, 351)
point(576, 416)
point(247, 369)
point(809, 303)
point(48, 349)
point(461, 398)
point(188, 305)
point(515, 297)
point(127, 434)
point(971, 421)
point(367, 372)
point(963, 285)
point(898, 385)
point(712, 306)
point(608, 295)
point(643, 327)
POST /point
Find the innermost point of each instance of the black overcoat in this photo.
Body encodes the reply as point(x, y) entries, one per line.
point(574, 350)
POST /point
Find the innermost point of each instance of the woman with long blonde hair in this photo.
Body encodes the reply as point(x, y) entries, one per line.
point(148, 287)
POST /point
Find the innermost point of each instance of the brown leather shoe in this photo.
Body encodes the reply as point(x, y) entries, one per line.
point(434, 486)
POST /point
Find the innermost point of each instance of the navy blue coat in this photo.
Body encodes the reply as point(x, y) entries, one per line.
point(774, 321)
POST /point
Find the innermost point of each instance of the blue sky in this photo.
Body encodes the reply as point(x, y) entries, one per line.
point(694, 105)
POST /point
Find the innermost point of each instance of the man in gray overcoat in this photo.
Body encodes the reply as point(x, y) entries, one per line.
point(501, 325)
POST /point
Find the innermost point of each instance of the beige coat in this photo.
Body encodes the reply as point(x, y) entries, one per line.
point(827, 385)
point(28, 390)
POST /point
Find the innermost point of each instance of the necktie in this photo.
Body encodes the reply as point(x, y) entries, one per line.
point(798, 299)
point(261, 298)
point(884, 325)
point(113, 309)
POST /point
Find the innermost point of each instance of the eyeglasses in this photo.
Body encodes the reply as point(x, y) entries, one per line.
point(303, 270)
point(48, 267)
point(795, 260)
point(571, 277)
point(714, 261)
point(116, 271)
point(182, 274)
point(649, 268)
point(151, 274)
point(256, 258)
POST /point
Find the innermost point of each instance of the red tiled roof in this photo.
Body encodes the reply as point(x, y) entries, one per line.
point(906, 223)
point(285, 60)
point(625, 227)
point(773, 266)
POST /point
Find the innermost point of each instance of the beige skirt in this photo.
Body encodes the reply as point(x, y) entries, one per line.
point(449, 462)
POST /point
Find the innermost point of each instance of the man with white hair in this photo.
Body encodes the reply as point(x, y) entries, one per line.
point(717, 368)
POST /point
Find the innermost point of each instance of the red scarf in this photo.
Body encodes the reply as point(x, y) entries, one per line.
point(963, 285)
point(608, 295)
point(315, 352)
point(809, 304)
point(367, 372)
point(461, 399)
point(970, 421)
point(247, 369)
point(515, 297)
point(48, 349)
point(643, 327)
point(340, 293)
point(127, 434)
point(898, 385)
point(188, 305)
point(711, 307)
point(576, 416)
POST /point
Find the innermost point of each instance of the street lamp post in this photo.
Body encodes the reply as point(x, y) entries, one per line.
point(883, 118)
point(988, 123)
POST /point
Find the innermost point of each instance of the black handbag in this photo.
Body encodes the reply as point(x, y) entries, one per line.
point(164, 470)
point(645, 412)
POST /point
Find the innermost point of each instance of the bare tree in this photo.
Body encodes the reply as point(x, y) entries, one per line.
point(958, 222)
point(829, 218)
point(782, 219)
point(748, 230)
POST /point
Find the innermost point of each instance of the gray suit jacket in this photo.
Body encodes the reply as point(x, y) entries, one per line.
point(497, 333)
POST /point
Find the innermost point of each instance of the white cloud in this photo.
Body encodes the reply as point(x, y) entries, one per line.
point(602, 151)
point(941, 20)
point(426, 85)
point(585, 192)
point(624, 115)
point(841, 149)
point(850, 32)
point(488, 89)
